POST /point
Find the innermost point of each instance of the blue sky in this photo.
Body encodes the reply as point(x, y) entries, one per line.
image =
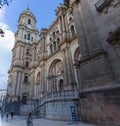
point(44, 11)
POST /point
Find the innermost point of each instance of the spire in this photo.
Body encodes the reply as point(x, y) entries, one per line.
point(27, 7)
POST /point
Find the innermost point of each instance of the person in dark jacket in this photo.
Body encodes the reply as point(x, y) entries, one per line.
point(29, 120)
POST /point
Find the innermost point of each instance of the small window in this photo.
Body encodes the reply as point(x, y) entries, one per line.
point(57, 31)
point(27, 52)
point(24, 36)
point(70, 18)
point(54, 44)
point(26, 79)
point(51, 49)
point(29, 21)
point(72, 31)
point(58, 41)
point(27, 64)
point(50, 39)
point(28, 36)
point(31, 38)
point(53, 34)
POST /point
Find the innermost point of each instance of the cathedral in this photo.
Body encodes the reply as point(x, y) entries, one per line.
point(45, 67)
point(74, 63)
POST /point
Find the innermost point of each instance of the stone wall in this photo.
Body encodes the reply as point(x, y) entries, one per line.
point(25, 109)
point(98, 39)
point(59, 110)
point(101, 107)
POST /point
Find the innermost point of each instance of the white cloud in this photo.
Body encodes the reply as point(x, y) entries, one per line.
point(7, 41)
point(6, 45)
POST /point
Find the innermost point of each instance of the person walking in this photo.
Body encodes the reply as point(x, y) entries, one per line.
point(2, 114)
point(11, 114)
point(7, 115)
point(29, 120)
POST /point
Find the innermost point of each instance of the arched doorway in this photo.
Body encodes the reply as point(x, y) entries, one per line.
point(55, 76)
point(77, 57)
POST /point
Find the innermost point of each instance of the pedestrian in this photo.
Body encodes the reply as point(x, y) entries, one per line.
point(2, 114)
point(11, 114)
point(29, 120)
point(7, 115)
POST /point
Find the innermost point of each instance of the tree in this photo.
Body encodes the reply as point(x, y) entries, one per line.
point(2, 3)
point(1, 33)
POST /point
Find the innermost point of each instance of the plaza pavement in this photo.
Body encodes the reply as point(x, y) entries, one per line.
point(21, 121)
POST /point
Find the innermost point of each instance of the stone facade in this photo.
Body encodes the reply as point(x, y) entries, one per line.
point(60, 63)
point(44, 66)
point(98, 30)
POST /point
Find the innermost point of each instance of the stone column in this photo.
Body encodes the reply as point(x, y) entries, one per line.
point(90, 26)
point(60, 23)
point(15, 81)
point(63, 26)
point(69, 67)
point(18, 83)
point(94, 65)
point(22, 53)
point(82, 40)
point(65, 76)
point(77, 75)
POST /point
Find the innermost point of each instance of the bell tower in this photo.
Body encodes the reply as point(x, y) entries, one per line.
point(19, 72)
point(27, 31)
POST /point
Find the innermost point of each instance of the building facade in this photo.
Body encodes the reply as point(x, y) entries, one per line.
point(97, 25)
point(50, 71)
point(2, 94)
point(45, 67)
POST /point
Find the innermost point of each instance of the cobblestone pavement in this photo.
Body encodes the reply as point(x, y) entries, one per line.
point(21, 121)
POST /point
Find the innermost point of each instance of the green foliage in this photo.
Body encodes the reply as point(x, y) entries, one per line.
point(4, 2)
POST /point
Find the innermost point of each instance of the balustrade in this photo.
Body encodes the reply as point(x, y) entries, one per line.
point(68, 94)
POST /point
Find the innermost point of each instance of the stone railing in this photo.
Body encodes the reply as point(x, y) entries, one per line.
point(68, 94)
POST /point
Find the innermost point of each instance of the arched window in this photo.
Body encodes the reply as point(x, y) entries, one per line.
point(27, 64)
point(29, 21)
point(38, 78)
point(53, 34)
point(24, 36)
point(58, 41)
point(50, 39)
point(51, 48)
point(31, 38)
point(28, 36)
point(54, 44)
point(72, 29)
point(57, 31)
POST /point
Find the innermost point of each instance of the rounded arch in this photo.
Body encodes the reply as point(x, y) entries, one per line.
point(55, 67)
point(38, 78)
point(38, 70)
point(77, 55)
point(72, 30)
point(37, 86)
point(55, 74)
